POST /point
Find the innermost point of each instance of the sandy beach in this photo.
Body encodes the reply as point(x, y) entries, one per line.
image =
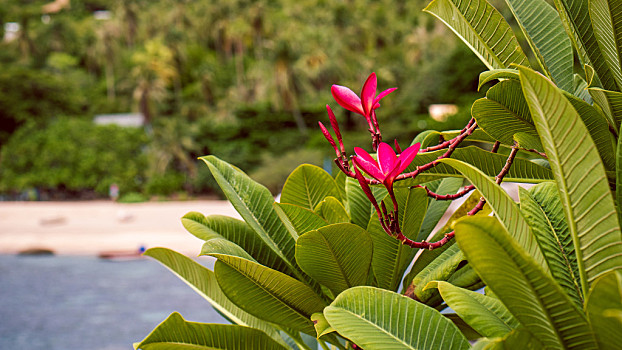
point(92, 227)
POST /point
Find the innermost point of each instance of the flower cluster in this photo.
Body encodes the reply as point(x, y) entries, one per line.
point(387, 165)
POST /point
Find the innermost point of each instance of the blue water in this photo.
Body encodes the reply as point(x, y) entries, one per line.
point(49, 302)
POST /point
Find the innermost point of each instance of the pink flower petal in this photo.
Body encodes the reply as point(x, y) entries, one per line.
point(383, 95)
point(368, 93)
point(370, 168)
point(386, 158)
point(408, 156)
point(347, 99)
point(388, 180)
point(363, 154)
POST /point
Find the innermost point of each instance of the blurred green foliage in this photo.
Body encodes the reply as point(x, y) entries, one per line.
point(74, 155)
point(244, 80)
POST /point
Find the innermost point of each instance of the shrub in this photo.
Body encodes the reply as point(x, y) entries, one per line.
point(74, 155)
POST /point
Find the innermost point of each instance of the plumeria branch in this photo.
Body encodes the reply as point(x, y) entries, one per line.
point(387, 166)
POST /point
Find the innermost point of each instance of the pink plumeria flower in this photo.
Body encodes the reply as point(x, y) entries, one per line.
point(367, 103)
point(388, 164)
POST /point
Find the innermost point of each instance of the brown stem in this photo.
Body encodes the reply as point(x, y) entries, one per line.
point(446, 197)
point(447, 143)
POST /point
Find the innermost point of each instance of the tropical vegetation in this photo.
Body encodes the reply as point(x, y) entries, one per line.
point(360, 260)
point(243, 80)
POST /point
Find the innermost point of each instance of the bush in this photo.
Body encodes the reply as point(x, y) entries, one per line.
point(274, 169)
point(73, 155)
point(165, 184)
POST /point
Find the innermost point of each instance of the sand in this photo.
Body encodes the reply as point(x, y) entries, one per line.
point(92, 227)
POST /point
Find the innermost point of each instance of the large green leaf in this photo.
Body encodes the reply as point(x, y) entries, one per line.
point(528, 292)
point(522, 170)
point(547, 38)
point(307, 186)
point(254, 203)
point(267, 293)
point(488, 316)
point(483, 29)
point(576, 19)
point(504, 112)
point(337, 256)
point(391, 258)
point(504, 208)
point(203, 281)
point(298, 219)
point(545, 213)
point(607, 23)
point(236, 231)
point(175, 333)
point(604, 297)
point(580, 177)
point(375, 318)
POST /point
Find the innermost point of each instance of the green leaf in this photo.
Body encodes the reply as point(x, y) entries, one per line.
point(607, 23)
point(438, 270)
point(580, 177)
point(544, 211)
point(177, 333)
point(307, 186)
point(203, 281)
point(375, 318)
point(337, 256)
point(332, 211)
point(391, 258)
point(266, 293)
point(605, 297)
point(610, 102)
point(619, 178)
point(522, 170)
point(236, 231)
point(496, 74)
point(547, 38)
point(254, 203)
point(504, 112)
point(519, 338)
point(504, 208)
point(598, 128)
point(300, 219)
point(576, 19)
point(528, 292)
point(224, 246)
point(427, 138)
point(488, 316)
point(322, 327)
point(483, 30)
